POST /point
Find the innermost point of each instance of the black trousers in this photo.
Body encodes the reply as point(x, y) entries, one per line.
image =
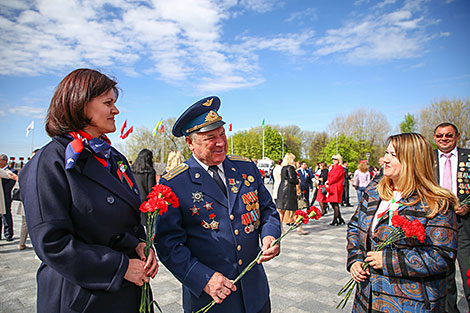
point(7, 221)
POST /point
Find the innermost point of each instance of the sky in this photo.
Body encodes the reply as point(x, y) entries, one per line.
point(290, 62)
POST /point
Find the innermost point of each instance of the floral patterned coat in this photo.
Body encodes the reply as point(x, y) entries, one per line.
point(413, 278)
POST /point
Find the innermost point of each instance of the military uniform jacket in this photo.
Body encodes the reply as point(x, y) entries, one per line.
point(84, 225)
point(413, 278)
point(209, 233)
point(463, 183)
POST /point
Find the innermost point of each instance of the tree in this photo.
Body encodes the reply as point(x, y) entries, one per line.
point(142, 138)
point(455, 111)
point(319, 141)
point(409, 124)
point(364, 126)
point(350, 149)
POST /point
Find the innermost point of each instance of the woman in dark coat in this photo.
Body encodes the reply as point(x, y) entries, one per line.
point(81, 206)
point(287, 193)
point(144, 173)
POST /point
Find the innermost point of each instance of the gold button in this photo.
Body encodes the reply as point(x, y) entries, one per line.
point(240, 262)
point(232, 217)
point(239, 248)
point(236, 232)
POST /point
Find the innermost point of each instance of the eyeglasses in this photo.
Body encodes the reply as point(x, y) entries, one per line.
point(334, 159)
point(449, 135)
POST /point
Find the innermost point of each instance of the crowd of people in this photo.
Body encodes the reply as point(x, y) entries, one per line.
point(81, 198)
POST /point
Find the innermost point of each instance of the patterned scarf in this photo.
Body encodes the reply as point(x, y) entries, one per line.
point(100, 147)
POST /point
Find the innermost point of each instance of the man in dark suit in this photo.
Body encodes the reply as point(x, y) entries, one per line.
point(453, 173)
point(305, 181)
point(225, 210)
point(7, 185)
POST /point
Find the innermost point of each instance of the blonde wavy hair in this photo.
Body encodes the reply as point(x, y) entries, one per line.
point(339, 158)
point(417, 175)
point(175, 158)
point(288, 159)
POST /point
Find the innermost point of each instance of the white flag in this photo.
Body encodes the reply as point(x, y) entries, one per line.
point(30, 126)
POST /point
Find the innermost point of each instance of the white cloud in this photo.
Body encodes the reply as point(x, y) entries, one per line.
point(381, 35)
point(25, 110)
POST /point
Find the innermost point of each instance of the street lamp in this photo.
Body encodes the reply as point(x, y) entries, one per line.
point(282, 144)
point(336, 142)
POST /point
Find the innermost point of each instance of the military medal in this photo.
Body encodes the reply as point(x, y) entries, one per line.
point(197, 196)
point(194, 210)
point(214, 225)
point(251, 179)
point(232, 183)
point(234, 189)
point(247, 183)
point(205, 225)
point(208, 206)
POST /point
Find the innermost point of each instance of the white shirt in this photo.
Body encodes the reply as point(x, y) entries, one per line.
point(453, 165)
point(206, 168)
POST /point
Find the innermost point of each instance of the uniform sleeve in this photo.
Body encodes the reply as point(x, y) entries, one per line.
point(431, 258)
point(170, 241)
point(47, 201)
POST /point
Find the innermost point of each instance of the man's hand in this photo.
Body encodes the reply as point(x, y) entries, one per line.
point(219, 287)
point(462, 210)
point(269, 253)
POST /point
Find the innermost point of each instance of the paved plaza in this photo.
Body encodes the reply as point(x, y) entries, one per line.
point(305, 277)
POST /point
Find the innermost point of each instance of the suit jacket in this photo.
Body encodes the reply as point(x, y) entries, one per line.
point(84, 225)
point(413, 278)
point(305, 179)
point(209, 233)
point(463, 182)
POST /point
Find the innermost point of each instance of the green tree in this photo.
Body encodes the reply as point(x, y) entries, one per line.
point(319, 141)
point(350, 149)
point(455, 111)
point(409, 124)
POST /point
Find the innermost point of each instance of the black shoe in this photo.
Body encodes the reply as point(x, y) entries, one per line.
point(341, 222)
point(9, 239)
point(334, 223)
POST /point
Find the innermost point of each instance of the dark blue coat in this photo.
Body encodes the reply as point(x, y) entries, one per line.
point(84, 225)
point(193, 251)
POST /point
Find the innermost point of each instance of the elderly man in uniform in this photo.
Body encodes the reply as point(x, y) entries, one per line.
point(453, 173)
point(224, 211)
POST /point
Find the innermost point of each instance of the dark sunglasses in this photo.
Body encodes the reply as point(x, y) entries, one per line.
point(334, 159)
point(449, 135)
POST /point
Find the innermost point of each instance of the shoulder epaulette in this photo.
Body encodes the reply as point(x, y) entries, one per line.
point(176, 171)
point(233, 157)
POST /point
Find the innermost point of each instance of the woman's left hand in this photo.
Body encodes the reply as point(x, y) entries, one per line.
point(374, 258)
point(151, 264)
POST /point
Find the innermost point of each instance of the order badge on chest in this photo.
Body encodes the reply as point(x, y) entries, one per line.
point(251, 219)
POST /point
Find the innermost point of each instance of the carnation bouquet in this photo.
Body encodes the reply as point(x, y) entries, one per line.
point(403, 228)
point(301, 217)
point(158, 201)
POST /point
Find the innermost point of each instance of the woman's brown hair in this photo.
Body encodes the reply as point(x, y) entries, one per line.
point(67, 109)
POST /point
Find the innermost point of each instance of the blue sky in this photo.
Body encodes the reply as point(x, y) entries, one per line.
point(291, 62)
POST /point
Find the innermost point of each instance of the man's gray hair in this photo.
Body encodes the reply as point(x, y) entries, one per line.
point(3, 157)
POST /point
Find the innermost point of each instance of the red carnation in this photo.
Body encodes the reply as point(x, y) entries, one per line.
point(303, 215)
point(314, 213)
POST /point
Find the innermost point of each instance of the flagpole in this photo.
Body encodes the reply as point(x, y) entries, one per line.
point(232, 143)
point(161, 149)
point(263, 138)
point(32, 142)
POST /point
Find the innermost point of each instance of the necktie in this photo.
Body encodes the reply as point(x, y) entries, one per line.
point(447, 173)
point(215, 174)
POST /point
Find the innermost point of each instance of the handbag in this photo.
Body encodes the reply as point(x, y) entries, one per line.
point(323, 190)
point(15, 194)
point(301, 203)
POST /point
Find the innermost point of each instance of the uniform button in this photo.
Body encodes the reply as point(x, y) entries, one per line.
point(239, 247)
point(240, 262)
point(110, 199)
point(136, 191)
point(232, 217)
point(236, 232)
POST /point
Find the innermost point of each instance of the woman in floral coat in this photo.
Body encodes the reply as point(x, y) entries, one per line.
point(409, 276)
